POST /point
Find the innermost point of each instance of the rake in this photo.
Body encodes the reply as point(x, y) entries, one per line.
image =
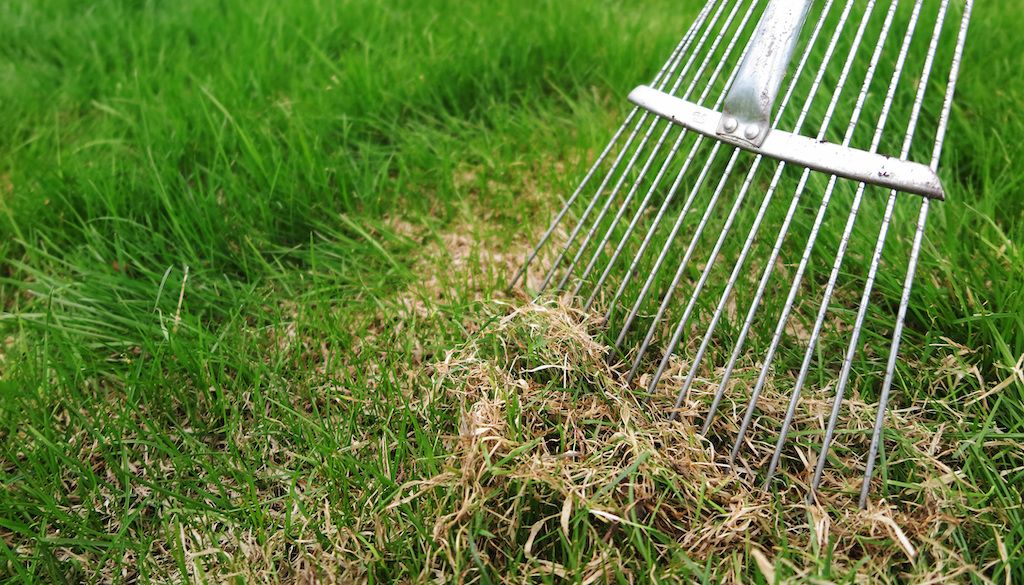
point(833, 101)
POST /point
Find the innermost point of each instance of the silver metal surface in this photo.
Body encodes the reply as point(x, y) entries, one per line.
point(844, 375)
point(654, 184)
point(834, 159)
point(647, 165)
point(737, 269)
point(747, 111)
point(679, 328)
point(844, 242)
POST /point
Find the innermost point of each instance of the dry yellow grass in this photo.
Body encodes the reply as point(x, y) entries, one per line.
point(556, 453)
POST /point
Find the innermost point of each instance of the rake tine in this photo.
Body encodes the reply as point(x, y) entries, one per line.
point(761, 211)
point(622, 208)
point(746, 117)
point(640, 147)
point(783, 231)
point(643, 205)
point(668, 242)
point(636, 216)
point(597, 196)
point(654, 153)
point(647, 238)
point(788, 306)
point(657, 266)
point(668, 245)
point(883, 232)
point(575, 195)
point(657, 179)
point(914, 255)
point(679, 272)
point(847, 231)
point(659, 80)
point(677, 334)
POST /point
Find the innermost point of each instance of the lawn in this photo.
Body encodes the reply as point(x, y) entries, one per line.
point(254, 321)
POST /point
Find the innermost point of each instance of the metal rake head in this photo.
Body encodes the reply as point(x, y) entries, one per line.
point(761, 206)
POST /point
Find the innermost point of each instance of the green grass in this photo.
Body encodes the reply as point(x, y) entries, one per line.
point(213, 324)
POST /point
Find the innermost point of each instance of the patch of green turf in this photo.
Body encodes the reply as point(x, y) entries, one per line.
point(212, 320)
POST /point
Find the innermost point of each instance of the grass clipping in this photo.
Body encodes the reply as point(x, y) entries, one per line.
point(557, 468)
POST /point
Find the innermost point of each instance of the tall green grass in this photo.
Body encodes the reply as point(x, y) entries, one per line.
point(181, 182)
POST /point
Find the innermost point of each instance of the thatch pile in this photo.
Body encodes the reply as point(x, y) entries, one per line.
point(555, 456)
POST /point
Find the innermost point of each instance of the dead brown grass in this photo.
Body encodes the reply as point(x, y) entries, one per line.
point(554, 454)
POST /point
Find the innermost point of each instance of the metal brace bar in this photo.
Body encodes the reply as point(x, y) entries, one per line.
point(835, 159)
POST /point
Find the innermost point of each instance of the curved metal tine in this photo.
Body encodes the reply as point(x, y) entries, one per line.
point(677, 334)
point(660, 80)
point(632, 136)
point(755, 227)
point(668, 244)
point(654, 185)
point(712, 257)
point(682, 265)
point(675, 228)
point(657, 221)
point(654, 152)
point(798, 277)
point(914, 254)
point(669, 197)
point(784, 229)
point(847, 232)
point(636, 216)
point(841, 387)
point(876, 257)
point(629, 165)
point(668, 295)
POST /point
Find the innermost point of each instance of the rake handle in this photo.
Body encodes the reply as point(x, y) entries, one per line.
point(748, 106)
